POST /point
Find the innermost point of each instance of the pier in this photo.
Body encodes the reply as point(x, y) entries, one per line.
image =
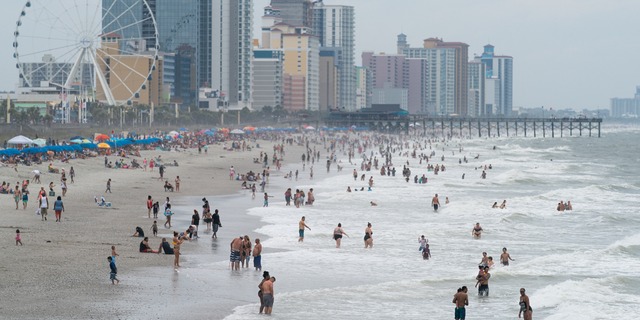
point(481, 127)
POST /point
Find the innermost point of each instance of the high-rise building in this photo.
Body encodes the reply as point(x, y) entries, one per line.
point(178, 24)
point(301, 66)
point(328, 78)
point(297, 13)
point(446, 81)
point(334, 25)
point(267, 78)
point(388, 78)
point(363, 88)
point(476, 89)
point(232, 51)
point(499, 82)
point(626, 107)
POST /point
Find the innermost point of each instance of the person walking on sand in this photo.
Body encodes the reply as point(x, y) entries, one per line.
point(525, 307)
point(301, 226)
point(149, 206)
point(114, 270)
point(435, 203)
point(257, 255)
point(18, 237)
point(44, 206)
point(168, 213)
point(17, 196)
point(58, 208)
point(72, 174)
point(461, 300)
point(177, 181)
point(108, 186)
point(338, 232)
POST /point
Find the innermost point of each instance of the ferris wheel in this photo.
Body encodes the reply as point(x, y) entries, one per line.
point(104, 50)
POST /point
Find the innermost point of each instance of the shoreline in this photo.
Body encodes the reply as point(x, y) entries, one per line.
point(63, 262)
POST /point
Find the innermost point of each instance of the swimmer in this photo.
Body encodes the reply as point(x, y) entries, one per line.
point(348, 189)
point(495, 205)
point(525, 307)
point(477, 231)
point(505, 257)
point(373, 204)
point(503, 205)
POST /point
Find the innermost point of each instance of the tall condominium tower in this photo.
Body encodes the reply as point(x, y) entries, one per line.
point(232, 51)
point(446, 84)
point(334, 25)
point(498, 82)
point(297, 13)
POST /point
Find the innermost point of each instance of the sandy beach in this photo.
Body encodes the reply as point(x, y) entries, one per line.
point(61, 271)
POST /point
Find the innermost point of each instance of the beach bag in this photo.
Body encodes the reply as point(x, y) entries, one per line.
point(168, 213)
point(52, 193)
point(38, 211)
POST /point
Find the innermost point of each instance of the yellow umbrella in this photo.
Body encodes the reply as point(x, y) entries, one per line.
point(103, 146)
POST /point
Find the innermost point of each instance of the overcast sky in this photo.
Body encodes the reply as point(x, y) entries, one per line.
point(567, 53)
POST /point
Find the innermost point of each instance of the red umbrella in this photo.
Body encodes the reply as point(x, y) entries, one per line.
point(101, 137)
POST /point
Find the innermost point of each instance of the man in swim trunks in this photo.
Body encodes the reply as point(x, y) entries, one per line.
point(301, 226)
point(236, 246)
point(267, 295)
point(460, 299)
point(483, 280)
point(505, 257)
point(435, 203)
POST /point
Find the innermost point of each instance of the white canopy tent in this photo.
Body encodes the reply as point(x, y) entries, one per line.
point(20, 140)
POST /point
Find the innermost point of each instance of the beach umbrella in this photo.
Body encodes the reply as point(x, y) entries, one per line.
point(249, 128)
point(88, 145)
point(309, 128)
point(237, 131)
point(76, 138)
point(76, 141)
point(86, 141)
point(9, 152)
point(20, 140)
point(183, 129)
point(173, 133)
point(101, 137)
point(40, 142)
point(103, 146)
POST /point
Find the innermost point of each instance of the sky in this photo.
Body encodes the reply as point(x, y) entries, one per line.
point(567, 53)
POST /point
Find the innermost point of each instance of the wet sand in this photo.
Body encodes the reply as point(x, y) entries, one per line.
point(61, 272)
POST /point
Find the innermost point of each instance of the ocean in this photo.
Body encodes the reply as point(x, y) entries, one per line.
point(579, 264)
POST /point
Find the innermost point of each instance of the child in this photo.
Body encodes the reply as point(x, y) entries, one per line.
point(114, 271)
point(18, 237)
point(154, 228)
point(156, 207)
point(114, 254)
point(266, 199)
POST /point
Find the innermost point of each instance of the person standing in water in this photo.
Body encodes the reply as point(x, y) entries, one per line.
point(435, 203)
point(477, 231)
point(368, 236)
point(337, 234)
point(505, 257)
point(460, 299)
point(301, 226)
point(525, 307)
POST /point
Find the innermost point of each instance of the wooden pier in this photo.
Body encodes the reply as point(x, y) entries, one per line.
point(481, 127)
